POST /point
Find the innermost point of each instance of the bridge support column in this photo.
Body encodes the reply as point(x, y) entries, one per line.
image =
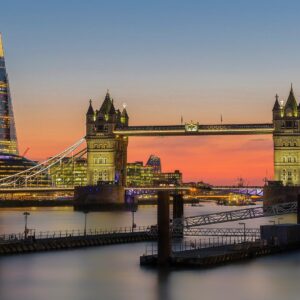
point(163, 223)
point(298, 209)
point(178, 215)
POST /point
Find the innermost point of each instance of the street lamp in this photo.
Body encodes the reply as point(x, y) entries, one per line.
point(244, 224)
point(85, 221)
point(26, 214)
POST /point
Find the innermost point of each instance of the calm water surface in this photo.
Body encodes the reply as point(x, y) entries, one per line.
point(113, 272)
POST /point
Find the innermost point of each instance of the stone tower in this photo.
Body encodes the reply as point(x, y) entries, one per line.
point(106, 152)
point(286, 138)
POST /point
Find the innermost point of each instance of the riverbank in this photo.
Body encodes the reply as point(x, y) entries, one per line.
point(34, 203)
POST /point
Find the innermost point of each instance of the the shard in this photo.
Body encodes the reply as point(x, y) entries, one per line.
point(8, 137)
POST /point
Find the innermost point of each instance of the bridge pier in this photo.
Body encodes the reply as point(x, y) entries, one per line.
point(298, 209)
point(178, 214)
point(163, 228)
point(99, 197)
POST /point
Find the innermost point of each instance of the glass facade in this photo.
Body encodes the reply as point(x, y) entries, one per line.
point(8, 137)
point(69, 172)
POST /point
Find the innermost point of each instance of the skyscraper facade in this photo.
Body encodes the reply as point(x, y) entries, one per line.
point(154, 161)
point(8, 137)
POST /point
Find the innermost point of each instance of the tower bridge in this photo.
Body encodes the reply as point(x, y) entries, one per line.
point(108, 130)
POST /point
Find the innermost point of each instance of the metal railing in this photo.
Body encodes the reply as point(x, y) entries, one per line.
point(215, 242)
point(4, 238)
point(224, 232)
point(241, 214)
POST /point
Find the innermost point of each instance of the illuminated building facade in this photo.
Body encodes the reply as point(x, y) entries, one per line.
point(286, 138)
point(139, 175)
point(11, 164)
point(106, 151)
point(168, 178)
point(8, 137)
point(69, 172)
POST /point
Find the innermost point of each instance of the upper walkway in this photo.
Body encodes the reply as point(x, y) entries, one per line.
point(196, 129)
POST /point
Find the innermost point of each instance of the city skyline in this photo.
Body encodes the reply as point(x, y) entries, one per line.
point(223, 71)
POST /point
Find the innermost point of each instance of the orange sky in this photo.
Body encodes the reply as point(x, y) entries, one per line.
point(48, 127)
point(217, 160)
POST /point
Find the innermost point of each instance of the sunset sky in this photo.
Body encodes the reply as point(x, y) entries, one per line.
point(164, 59)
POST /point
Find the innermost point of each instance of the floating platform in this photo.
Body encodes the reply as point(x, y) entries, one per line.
point(216, 256)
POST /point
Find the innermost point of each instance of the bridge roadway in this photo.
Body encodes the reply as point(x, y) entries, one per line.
point(196, 129)
point(70, 189)
point(160, 188)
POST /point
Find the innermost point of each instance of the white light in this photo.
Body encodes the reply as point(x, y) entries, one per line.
point(124, 105)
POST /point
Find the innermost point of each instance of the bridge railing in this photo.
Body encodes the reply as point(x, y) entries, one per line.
point(33, 235)
point(188, 245)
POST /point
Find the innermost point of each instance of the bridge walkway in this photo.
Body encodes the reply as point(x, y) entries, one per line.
point(239, 215)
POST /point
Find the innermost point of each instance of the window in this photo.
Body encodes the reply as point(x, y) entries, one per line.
point(288, 124)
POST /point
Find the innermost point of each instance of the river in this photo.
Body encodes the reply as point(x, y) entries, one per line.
point(113, 272)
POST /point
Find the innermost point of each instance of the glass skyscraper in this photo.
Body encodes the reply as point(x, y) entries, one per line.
point(8, 137)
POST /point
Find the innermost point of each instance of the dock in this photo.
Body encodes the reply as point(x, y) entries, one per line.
point(63, 240)
point(214, 256)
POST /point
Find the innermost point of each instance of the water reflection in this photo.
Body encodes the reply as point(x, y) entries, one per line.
point(163, 275)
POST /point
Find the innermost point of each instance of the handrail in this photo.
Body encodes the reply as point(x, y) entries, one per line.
point(74, 233)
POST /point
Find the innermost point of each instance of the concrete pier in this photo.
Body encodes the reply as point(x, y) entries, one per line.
point(177, 206)
point(298, 209)
point(163, 228)
point(99, 197)
point(178, 215)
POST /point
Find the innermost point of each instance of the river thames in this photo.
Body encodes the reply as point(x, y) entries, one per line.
point(113, 272)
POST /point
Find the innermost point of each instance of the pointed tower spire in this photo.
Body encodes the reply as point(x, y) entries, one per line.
point(291, 103)
point(106, 105)
point(90, 111)
point(8, 137)
point(276, 104)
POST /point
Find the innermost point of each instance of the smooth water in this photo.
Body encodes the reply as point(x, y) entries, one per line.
point(113, 272)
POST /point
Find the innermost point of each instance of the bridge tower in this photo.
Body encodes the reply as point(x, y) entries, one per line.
point(106, 151)
point(286, 139)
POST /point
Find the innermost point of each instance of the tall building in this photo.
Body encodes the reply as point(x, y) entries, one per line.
point(8, 137)
point(286, 138)
point(106, 151)
point(155, 163)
